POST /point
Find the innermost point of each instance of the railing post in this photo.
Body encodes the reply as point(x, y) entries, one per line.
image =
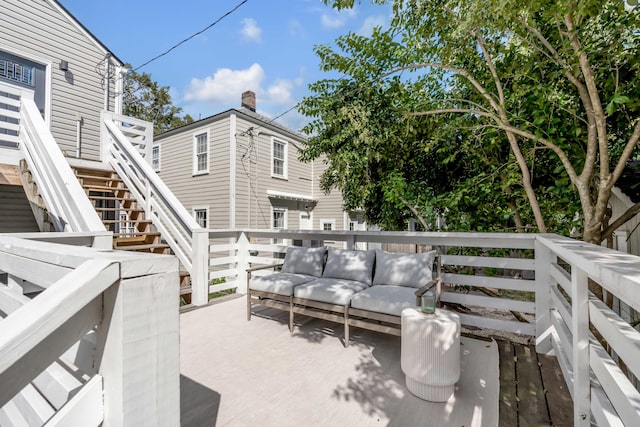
point(351, 242)
point(139, 349)
point(200, 267)
point(543, 279)
point(580, 343)
point(243, 262)
point(104, 136)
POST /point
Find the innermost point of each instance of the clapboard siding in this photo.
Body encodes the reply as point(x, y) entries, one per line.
point(39, 30)
point(253, 140)
point(210, 189)
point(329, 205)
point(16, 215)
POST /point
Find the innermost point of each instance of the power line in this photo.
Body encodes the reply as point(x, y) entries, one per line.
point(192, 36)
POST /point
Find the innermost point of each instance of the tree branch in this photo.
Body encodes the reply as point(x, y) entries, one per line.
point(626, 216)
point(415, 212)
point(492, 68)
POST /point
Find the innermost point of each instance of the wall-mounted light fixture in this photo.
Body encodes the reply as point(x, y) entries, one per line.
point(64, 65)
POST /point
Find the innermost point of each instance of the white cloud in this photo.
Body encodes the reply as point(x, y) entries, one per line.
point(225, 85)
point(337, 19)
point(251, 31)
point(280, 92)
point(370, 23)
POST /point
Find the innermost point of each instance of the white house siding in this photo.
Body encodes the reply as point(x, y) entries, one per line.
point(330, 206)
point(212, 189)
point(40, 31)
point(629, 233)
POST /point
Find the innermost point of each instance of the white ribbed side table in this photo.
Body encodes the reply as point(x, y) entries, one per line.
point(430, 353)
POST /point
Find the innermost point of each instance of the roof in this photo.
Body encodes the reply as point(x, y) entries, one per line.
point(56, 4)
point(259, 119)
point(629, 181)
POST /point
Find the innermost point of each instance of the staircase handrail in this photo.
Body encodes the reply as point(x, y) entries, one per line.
point(66, 201)
point(150, 191)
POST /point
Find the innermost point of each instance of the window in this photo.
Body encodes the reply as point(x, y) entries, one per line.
point(201, 153)
point(201, 216)
point(155, 158)
point(14, 71)
point(328, 224)
point(278, 158)
point(278, 221)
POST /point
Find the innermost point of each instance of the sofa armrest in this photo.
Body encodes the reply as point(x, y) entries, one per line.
point(249, 270)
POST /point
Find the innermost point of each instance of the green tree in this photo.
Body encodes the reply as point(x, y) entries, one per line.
point(145, 99)
point(545, 92)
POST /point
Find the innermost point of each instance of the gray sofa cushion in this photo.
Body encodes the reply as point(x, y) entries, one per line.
point(388, 299)
point(413, 270)
point(333, 291)
point(279, 283)
point(350, 265)
point(304, 261)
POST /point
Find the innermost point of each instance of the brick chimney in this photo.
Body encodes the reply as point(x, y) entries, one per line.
point(249, 100)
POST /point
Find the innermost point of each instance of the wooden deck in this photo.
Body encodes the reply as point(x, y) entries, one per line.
point(235, 372)
point(532, 390)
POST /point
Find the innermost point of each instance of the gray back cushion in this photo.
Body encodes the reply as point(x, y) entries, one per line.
point(350, 265)
point(304, 261)
point(413, 270)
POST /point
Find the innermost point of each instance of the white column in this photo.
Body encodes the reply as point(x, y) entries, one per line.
point(243, 262)
point(138, 350)
point(200, 267)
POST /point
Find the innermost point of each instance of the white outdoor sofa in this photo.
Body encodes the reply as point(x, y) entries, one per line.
point(366, 289)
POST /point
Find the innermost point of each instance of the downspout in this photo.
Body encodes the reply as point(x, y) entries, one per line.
point(78, 135)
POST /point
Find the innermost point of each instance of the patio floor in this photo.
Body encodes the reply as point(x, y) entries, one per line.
point(239, 373)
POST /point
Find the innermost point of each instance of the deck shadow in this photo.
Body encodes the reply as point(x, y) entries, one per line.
point(199, 405)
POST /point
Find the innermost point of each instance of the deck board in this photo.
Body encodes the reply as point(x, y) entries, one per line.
point(532, 389)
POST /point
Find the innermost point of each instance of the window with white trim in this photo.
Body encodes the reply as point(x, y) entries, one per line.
point(278, 221)
point(201, 215)
point(279, 158)
point(201, 153)
point(328, 224)
point(155, 157)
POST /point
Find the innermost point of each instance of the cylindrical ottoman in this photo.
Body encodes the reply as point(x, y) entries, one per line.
point(430, 353)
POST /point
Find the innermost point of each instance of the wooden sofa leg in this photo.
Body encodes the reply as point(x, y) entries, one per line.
point(291, 314)
point(346, 326)
point(248, 305)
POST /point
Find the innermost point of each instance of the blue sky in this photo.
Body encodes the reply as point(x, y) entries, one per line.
point(264, 46)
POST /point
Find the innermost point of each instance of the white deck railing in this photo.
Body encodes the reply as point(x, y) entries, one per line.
point(129, 377)
point(67, 204)
point(545, 277)
point(123, 145)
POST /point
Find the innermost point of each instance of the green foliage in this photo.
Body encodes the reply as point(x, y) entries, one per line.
point(391, 154)
point(146, 100)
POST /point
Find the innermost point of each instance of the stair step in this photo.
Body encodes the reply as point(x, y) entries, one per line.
point(135, 235)
point(130, 221)
point(114, 178)
point(150, 247)
point(122, 199)
point(128, 210)
point(185, 290)
point(103, 188)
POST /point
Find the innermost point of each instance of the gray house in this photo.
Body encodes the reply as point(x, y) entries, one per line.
point(241, 169)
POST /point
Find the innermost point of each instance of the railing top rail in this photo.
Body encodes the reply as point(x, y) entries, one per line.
point(486, 240)
point(616, 271)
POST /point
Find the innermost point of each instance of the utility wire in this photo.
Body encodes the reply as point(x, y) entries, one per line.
point(192, 36)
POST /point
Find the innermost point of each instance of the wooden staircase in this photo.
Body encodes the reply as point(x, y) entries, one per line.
point(119, 212)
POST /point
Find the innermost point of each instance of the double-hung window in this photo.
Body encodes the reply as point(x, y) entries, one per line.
point(201, 214)
point(278, 221)
point(201, 153)
point(155, 158)
point(278, 158)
